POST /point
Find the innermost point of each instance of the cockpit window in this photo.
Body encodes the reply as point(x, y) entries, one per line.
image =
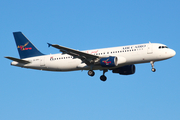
point(161, 47)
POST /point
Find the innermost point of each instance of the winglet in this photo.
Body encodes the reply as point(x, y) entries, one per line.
point(49, 45)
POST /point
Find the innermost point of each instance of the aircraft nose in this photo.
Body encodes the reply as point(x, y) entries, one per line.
point(172, 53)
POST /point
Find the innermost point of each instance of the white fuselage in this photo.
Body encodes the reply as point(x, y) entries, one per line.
point(127, 55)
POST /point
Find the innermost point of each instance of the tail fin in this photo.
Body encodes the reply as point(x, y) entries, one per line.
point(25, 47)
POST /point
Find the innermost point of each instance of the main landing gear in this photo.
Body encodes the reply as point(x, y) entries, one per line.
point(102, 77)
point(91, 73)
point(152, 64)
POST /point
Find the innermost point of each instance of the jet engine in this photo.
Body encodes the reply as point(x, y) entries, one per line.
point(125, 70)
point(108, 62)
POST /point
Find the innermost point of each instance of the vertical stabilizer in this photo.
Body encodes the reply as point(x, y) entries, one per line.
point(25, 47)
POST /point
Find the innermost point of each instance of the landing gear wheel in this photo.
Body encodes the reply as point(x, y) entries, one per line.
point(152, 64)
point(153, 69)
point(91, 73)
point(103, 78)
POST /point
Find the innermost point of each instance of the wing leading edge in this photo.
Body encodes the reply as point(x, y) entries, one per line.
point(85, 57)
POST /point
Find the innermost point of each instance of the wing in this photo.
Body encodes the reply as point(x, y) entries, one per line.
point(85, 57)
point(18, 60)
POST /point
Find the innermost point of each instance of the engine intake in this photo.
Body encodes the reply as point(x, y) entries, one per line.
point(108, 62)
point(125, 70)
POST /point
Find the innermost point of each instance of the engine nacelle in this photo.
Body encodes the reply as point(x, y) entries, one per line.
point(125, 70)
point(108, 62)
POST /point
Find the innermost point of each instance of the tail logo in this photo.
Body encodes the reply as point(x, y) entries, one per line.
point(23, 47)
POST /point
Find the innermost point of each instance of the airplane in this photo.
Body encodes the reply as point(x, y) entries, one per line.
point(119, 60)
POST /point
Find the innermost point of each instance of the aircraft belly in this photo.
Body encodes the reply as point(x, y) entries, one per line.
point(68, 65)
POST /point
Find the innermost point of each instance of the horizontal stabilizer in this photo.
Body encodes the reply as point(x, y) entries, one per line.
point(18, 60)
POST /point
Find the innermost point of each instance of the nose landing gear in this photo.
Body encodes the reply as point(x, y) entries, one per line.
point(152, 64)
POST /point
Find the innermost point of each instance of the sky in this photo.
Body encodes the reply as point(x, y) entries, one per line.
point(27, 94)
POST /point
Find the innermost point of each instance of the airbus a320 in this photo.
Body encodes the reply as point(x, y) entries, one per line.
point(120, 60)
